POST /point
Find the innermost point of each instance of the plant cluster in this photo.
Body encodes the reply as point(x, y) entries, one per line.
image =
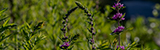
point(83, 27)
point(118, 17)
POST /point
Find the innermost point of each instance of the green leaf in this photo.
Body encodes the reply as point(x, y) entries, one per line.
point(133, 44)
point(28, 26)
point(3, 18)
point(74, 37)
point(25, 47)
point(5, 23)
point(70, 48)
point(6, 27)
point(5, 37)
point(26, 35)
point(123, 15)
point(2, 47)
point(104, 45)
point(2, 11)
point(113, 8)
point(40, 25)
point(108, 8)
point(131, 28)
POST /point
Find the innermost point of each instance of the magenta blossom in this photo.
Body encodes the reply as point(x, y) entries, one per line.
point(122, 18)
point(118, 5)
point(92, 40)
point(118, 16)
point(119, 29)
point(65, 45)
point(122, 47)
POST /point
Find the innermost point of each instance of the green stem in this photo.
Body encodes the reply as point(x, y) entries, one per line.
point(119, 34)
point(119, 40)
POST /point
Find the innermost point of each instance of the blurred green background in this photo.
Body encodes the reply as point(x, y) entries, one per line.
point(144, 30)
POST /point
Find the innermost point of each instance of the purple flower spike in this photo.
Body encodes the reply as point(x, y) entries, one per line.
point(122, 47)
point(65, 45)
point(119, 29)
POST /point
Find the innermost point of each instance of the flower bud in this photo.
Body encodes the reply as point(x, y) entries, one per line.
point(92, 40)
point(65, 25)
point(63, 29)
point(63, 22)
point(88, 14)
point(93, 48)
point(92, 28)
point(66, 20)
point(93, 33)
point(65, 38)
point(65, 45)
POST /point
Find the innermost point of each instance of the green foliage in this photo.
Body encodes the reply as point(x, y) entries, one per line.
point(36, 24)
point(5, 26)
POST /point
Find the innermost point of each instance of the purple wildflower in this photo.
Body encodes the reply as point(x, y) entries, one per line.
point(65, 45)
point(117, 5)
point(123, 18)
point(121, 5)
point(119, 29)
point(92, 40)
point(122, 47)
point(118, 16)
point(94, 48)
